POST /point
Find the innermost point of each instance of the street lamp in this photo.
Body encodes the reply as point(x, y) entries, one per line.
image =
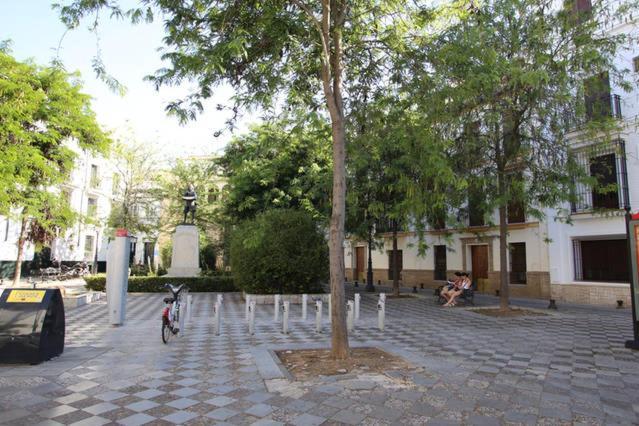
point(369, 272)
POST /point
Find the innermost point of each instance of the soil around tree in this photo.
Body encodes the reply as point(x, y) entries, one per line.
point(306, 364)
point(401, 296)
point(508, 313)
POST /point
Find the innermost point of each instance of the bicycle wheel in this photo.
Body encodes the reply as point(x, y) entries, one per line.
point(166, 332)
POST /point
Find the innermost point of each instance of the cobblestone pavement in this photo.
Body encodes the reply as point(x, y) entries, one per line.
point(565, 368)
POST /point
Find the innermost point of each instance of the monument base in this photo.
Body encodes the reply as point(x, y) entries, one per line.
point(185, 259)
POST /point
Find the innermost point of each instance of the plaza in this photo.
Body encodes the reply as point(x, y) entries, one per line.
point(568, 366)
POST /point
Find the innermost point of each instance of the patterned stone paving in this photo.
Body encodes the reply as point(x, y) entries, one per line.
point(569, 367)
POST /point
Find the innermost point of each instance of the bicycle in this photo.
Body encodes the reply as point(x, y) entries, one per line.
point(171, 313)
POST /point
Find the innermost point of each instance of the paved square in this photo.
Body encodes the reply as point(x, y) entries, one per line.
point(565, 368)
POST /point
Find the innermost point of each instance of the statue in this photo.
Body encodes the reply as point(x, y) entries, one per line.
point(190, 203)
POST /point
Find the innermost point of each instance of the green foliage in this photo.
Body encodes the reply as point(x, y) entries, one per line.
point(278, 165)
point(208, 255)
point(214, 283)
point(280, 251)
point(136, 194)
point(43, 113)
point(139, 270)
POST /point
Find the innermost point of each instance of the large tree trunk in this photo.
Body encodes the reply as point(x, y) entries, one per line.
point(395, 260)
point(503, 244)
point(339, 335)
point(21, 240)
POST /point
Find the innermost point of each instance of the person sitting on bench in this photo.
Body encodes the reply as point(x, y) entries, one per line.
point(461, 286)
point(446, 290)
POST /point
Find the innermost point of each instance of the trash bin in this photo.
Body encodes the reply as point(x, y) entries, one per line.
point(32, 325)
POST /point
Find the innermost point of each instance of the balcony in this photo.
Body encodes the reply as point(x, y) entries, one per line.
point(594, 108)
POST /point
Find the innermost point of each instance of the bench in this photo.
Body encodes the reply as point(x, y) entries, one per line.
point(468, 295)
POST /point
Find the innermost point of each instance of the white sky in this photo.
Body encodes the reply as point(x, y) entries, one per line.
point(129, 53)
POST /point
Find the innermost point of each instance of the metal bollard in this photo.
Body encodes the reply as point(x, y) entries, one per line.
point(285, 309)
point(189, 308)
point(358, 297)
point(247, 303)
point(251, 323)
point(349, 316)
point(381, 313)
point(318, 316)
point(304, 302)
point(216, 318)
point(276, 302)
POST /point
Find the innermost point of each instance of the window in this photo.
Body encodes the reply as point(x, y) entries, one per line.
point(601, 260)
point(115, 188)
point(517, 263)
point(437, 219)
point(66, 196)
point(440, 263)
point(95, 179)
point(635, 63)
point(88, 247)
point(391, 264)
point(605, 195)
point(476, 206)
point(597, 97)
point(6, 231)
point(92, 207)
point(516, 212)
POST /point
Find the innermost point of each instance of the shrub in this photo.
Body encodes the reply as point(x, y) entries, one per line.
point(280, 251)
point(139, 270)
point(207, 257)
point(156, 284)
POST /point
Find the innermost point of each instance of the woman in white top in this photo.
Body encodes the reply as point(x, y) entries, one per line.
point(464, 284)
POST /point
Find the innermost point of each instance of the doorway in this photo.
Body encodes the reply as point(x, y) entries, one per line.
point(479, 256)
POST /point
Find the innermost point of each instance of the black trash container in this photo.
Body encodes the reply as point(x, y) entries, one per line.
point(32, 325)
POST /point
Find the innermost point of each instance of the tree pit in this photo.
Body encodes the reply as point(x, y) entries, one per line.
point(508, 313)
point(306, 364)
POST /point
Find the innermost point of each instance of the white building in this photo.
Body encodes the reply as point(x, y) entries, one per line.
point(91, 190)
point(589, 259)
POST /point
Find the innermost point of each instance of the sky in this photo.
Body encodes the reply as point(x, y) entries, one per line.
point(129, 53)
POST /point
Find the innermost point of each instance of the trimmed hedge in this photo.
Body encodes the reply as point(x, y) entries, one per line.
point(280, 251)
point(220, 283)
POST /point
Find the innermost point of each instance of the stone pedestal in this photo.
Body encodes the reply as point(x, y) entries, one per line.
point(185, 260)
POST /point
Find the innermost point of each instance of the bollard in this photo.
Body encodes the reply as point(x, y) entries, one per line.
point(318, 316)
point(247, 303)
point(216, 318)
point(330, 308)
point(220, 298)
point(276, 303)
point(183, 314)
point(251, 322)
point(304, 302)
point(357, 300)
point(356, 284)
point(381, 313)
point(285, 309)
point(349, 315)
point(189, 308)
point(382, 297)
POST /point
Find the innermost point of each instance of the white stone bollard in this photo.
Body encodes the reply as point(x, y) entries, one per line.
point(350, 315)
point(220, 299)
point(285, 309)
point(382, 297)
point(276, 303)
point(318, 316)
point(304, 302)
point(381, 313)
point(358, 297)
point(251, 324)
point(247, 303)
point(189, 309)
point(216, 318)
point(183, 314)
point(330, 308)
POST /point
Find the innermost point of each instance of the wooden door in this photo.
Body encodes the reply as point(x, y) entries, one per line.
point(359, 263)
point(479, 255)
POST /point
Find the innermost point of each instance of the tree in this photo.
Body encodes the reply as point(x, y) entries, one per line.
point(293, 52)
point(42, 110)
point(501, 81)
point(136, 198)
point(281, 164)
